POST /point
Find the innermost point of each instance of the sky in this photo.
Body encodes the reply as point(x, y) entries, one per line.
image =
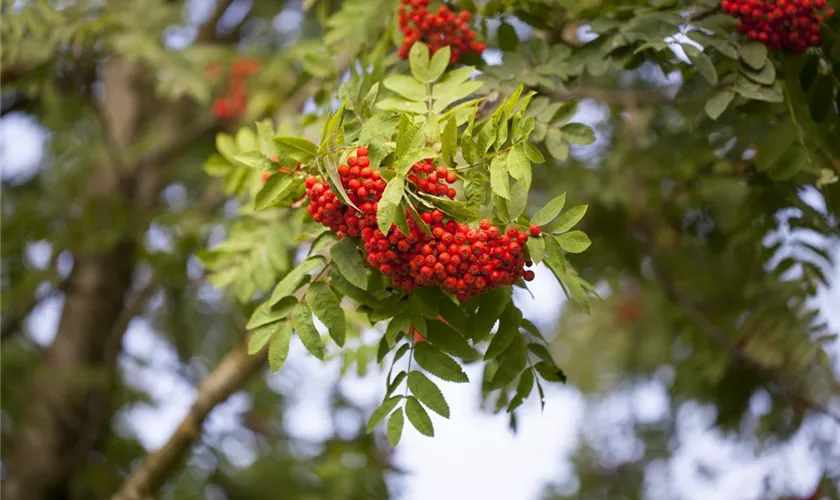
point(474, 454)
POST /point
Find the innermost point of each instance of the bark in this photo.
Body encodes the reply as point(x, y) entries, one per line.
point(69, 406)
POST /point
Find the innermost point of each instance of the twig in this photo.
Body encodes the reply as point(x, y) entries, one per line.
point(207, 30)
point(617, 97)
point(229, 376)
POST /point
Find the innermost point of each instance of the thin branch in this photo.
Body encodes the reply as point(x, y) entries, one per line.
point(617, 97)
point(228, 377)
point(207, 30)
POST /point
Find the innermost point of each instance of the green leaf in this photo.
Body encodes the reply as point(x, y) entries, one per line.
point(550, 373)
point(428, 393)
point(332, 125)
point(418, 417)
point(268, 313)
point(392, 386)
point(381, 412)
point(568, 219)
point(508, 40)
point(578, 133)
point(276, 189)
point(400, 219)
point(492, 303)
point(326, 306)
point(750, 90)
point(400, 104)
point(519, 196)
point(511, 101)
point(438, 63)
point(508, 331)
point(449, 142)
point(418, 60)
point(380, 125)
point(293, 280)
point(557, 145)
point(754, 54)
point(549, 212)
point(766, 76)
point(399, 323)
point(260, 338)
point(322, 241)
point(349, 262)
point(574, 241)
point(517, 162)
point(455, 208)
point(523, 390)
point(820, 97)
point(499, 178)
point(536, 248)
point(450, 341)
point(226, 146)
point(718, 103)
point(564, 113)
point(278, 349)
point(297, 148)
point(486, 137)
point(554, 257)
point(541, 352)
point(438, 363)
point(255, 159)
point(444, 95)
point(409, 138)
point(533, 153)
point(702, 62)
point(407, 87)
point(335, 181)
point(511, 363)
point(390, 203)
point(771, 150)
point(305, 328)
point(395, 427)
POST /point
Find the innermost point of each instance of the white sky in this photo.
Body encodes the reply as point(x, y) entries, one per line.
point(474, 454)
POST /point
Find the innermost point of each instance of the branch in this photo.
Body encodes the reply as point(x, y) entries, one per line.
point(709, 330)
point(229, 376)
point(617, 97)
point(207, 30)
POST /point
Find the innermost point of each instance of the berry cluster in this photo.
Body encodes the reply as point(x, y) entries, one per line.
point(461, 260)
point(790, 24)
point(436, 31)
point(232, 103)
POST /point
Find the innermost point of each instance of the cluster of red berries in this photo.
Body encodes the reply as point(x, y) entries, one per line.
point(790, 24)
point(436, 31)
point(461, 260)
point(432, 180)
point(232, 103)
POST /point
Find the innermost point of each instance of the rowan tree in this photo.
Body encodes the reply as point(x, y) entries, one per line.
point(403, 168)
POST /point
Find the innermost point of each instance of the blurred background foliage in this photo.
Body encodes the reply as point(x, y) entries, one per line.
point(708, 258)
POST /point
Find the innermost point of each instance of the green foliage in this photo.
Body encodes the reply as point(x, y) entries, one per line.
point(680, 190)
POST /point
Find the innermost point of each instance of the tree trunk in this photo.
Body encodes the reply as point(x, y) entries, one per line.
point(56, 435)
point(69, 406)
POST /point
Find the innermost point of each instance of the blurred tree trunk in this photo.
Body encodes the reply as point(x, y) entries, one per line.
point(69, 406)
